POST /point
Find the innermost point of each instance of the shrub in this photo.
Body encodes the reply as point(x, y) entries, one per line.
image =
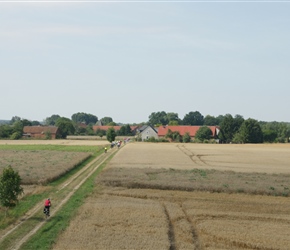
point(16, 136)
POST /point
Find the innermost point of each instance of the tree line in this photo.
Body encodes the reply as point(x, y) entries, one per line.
point(233, 129)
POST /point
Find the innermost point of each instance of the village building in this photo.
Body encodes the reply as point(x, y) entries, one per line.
point(191, 130)
point(40, 132)
point(146, 131)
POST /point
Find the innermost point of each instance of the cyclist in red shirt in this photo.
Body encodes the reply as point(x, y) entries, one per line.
point(47, 205)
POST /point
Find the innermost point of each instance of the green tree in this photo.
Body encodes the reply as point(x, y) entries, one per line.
point(100, 132)
point(174, 136)
point(106, 120)
point(269, 135)
point(65, 127)
point(35, 123)
point(186, 137)
point(89, 130)
point(210, 121)
point(193, 118)
point(173, 118)
point(79, 130)
point(51, 121)
point(281, 128)
point(227, 129)
point(125, 130)
point(6, 131)
point(16, 136)
point(10, 187)
point(204, 133)
point(158, 118)
point(238, 121)
point(48, 135)
point(251, 132)
point(111, 134)
point(15, 119)
point(173, 123)
point(82, 117)
point(112, 124)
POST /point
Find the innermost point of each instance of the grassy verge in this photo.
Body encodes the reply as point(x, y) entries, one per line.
point(47, 235)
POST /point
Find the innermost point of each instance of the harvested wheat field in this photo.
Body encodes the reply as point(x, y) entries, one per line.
point(265, 158)
point(130, 210)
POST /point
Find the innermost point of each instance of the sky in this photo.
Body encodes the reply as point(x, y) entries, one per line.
point(127, 59)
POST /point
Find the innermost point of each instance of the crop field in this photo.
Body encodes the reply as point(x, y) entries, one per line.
point(187, 196)
point(39, 167)
point(39, 162)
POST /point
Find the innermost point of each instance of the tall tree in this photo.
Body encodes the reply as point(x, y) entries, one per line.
point(111, 134)
point(227, 129)
point(173, 118)
point(5, 131)
point(251, 132)
point(15, 119)
point(106, 120)
point(158, 118)
point(210, 120)
point(82, 117)
point(10, 187)
point(125, 130)
point(204, 133)
point(193, 118)
point(65, 127)
point(51, 121)
point(238, 121)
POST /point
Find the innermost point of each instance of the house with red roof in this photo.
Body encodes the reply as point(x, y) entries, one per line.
point(191, 130)
point(40, 132)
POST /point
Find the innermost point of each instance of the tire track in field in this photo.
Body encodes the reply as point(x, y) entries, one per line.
point(171, 236)
point(181, 232)
point(195, 158)
point(85, 170)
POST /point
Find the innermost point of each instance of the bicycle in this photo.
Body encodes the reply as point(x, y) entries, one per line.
point(46, 212)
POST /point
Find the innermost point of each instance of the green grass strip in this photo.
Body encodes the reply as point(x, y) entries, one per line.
point(47, 235)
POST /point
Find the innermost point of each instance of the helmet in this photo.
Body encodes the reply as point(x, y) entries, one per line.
point(48, 199)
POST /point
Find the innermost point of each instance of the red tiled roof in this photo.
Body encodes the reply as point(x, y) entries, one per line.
point(39, 129)
point(162, 130)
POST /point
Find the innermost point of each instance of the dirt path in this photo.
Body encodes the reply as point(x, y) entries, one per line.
point(60, 197)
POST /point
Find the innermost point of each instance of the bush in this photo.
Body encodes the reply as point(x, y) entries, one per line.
point(151, 139)
point(16, 136)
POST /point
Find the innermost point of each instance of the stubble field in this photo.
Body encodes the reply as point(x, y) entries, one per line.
point(140, 202)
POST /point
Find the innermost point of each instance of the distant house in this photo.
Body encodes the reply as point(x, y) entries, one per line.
point(163, 130)
point(40, 132)
point(146, 131)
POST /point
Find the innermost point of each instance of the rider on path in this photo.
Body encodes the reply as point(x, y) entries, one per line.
point(47, 205)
